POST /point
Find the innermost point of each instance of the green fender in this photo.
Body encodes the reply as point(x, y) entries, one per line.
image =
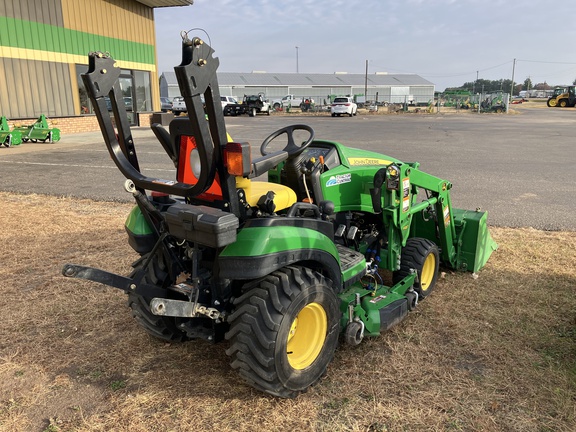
point(258, 251)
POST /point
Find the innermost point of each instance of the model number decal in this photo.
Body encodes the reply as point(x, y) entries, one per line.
point(339, 179)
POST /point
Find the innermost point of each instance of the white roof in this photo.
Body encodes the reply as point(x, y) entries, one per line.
point(271, 79)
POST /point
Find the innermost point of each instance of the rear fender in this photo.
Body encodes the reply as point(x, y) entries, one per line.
point(258, 251)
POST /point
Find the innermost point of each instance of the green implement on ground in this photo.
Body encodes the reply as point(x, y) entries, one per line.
point(282, 268)
point(8, 138)
point(38, 131)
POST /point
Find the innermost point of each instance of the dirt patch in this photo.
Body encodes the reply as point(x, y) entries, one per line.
point(493, 353)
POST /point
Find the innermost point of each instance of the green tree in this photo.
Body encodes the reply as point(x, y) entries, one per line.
point(542, 86)
point(487, 86)
point(527, 84)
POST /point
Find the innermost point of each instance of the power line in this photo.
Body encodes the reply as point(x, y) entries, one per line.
point(541, 61)
point(459, 74)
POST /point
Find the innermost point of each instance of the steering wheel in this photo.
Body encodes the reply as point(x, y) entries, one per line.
point(291, 148)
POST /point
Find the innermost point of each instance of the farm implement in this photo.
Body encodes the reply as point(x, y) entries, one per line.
point(284, 268)
point(8, 138)
point(38, 131)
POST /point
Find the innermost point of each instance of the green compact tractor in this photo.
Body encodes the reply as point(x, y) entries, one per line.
point(283, 269)
point(8, 138)
point(39, 131)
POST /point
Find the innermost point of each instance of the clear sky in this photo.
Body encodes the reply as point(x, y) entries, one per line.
point(448, 42)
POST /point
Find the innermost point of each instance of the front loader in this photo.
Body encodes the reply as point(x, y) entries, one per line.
point(284, 268)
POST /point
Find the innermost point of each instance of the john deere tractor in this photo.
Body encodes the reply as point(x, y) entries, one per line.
point(285, 268)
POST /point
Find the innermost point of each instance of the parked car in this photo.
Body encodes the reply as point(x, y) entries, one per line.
point(128, 103)
point(178, 105)
point(304, 103)
point(165, 104)
point(227, 100)
point(343, 105)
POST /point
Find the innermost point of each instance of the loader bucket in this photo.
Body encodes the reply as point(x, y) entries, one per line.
point(475, 244)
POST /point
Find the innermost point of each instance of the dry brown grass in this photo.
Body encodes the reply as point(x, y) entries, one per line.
point(497, 353)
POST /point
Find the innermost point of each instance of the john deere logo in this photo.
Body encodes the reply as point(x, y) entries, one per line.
point(368, 161)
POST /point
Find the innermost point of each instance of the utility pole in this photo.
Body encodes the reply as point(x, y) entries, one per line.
point(366, 84)
point(511, 85)
point(474, 85)
point(296, 59)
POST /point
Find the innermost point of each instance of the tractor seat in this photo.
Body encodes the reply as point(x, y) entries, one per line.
point(284, 197)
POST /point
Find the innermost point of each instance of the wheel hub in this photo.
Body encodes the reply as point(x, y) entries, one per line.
point(306, 336)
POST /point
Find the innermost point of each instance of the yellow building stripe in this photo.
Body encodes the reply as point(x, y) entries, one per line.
point(47, 56)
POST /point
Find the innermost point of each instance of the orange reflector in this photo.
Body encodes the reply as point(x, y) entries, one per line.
point(185, 173)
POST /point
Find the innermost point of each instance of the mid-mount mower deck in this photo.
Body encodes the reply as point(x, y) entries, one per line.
point(280, 268)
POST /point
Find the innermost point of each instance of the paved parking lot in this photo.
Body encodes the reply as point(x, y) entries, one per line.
point(521, 167)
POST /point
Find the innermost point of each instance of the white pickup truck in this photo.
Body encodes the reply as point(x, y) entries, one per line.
point(178, 105)
point(304, 103)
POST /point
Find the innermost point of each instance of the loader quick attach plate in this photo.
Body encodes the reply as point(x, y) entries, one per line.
point(201, 224)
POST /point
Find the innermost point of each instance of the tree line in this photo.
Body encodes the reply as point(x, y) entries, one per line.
point(492, 86)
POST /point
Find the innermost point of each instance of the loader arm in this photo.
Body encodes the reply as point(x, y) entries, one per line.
point(462, 236)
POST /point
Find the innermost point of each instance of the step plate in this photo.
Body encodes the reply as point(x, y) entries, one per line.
point(353, 265)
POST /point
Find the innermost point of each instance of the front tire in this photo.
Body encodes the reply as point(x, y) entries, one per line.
point(421, 255)
point(284, 331)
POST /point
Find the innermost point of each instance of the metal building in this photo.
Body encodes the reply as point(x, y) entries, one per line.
point(44, 46)
point(392, 88)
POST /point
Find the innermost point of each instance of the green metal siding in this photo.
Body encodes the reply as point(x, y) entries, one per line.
point(18, 33)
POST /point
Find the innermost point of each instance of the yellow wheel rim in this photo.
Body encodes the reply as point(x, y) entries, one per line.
point(307, 335)
point(428, 271)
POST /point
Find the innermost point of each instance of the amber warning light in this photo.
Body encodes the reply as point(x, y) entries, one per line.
point(237, 159)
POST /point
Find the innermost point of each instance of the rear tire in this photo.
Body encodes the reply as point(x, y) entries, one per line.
point(563, 103)
point(421, 255)
point(161, 327)
point(284, 331)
